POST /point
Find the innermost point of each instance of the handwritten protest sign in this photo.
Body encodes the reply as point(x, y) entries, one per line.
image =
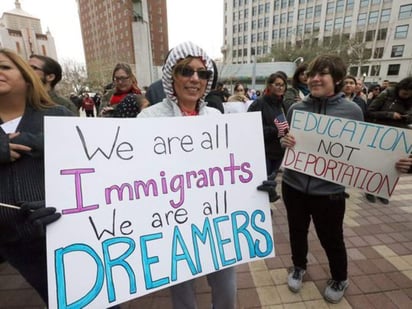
point(148, 203)
point(348, 152)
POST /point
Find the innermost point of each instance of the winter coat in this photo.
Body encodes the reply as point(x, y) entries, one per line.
point(23, 179)
point(270, 107)
point(381, 110)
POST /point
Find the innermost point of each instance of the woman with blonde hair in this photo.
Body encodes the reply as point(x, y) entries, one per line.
point(23, 216)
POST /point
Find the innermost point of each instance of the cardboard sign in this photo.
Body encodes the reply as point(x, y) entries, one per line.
point(152, 202)
point(352, 153)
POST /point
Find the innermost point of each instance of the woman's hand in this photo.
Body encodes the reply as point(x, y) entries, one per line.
point(288, 141)
point(16, 149)
point(106, 109)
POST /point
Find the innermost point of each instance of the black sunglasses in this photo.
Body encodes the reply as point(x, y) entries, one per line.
point(188, 72)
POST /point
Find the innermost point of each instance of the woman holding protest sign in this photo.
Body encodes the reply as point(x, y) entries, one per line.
point(187, 79)
point(23, 216)
point(324, 201)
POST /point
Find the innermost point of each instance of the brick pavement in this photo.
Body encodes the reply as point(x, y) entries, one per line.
point(379, 243)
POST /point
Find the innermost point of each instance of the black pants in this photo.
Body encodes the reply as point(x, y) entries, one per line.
point(29, 259)
point(327, 212)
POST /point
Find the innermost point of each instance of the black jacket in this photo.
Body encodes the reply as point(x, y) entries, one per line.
point(23, 180)
point(270, 106)
point(382, 108)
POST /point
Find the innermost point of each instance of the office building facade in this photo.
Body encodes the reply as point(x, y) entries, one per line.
point(383, 27)
point(121, 31)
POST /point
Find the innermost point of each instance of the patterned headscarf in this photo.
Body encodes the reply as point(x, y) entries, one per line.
point(178, 53)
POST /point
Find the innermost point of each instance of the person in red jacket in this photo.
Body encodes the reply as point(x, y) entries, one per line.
point(88, 105)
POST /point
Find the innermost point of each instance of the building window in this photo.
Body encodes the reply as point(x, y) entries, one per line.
point(245, 39)
point(254, 11)
point(382, 34)
point(397, 51)
point(260, 23)
point(318, 10)
point(328, 25)
point(275, 34)
point(362, 19)
point(330, 7)
point(316, 26)
point(338, 23)
point(364, 70)
point(348, 22)
point(373, 17)
point(401, 32)
point(385, 15)
point(393, 69)
point(370, 35)
point(261, 9)
point(405, 11)
point(353, 71)
point(375, 2)
point(301, 14)
point(349, 4)
point(378, 54)
point(375, 70)
point(339, 6)
point(283, 18)
point(309, 12)
point(267, 7)
point(276, 5)
point(254, 24)
point(283, 4)
point(290, 17)
point(282, 33)
point(276, 19)
point(308, 28)
point(364, 3)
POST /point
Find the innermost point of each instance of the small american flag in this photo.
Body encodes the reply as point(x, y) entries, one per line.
point(282, 125)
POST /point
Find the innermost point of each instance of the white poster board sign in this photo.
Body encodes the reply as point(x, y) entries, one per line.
point(348, 152)
point(236, 107)
point(148, 203)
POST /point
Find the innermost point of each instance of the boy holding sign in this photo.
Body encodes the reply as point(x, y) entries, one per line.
point(324, 201)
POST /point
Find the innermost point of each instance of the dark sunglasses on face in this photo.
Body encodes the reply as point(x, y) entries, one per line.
point(188, 72)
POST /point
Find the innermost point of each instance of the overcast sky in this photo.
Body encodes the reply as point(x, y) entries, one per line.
point(200, 21)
